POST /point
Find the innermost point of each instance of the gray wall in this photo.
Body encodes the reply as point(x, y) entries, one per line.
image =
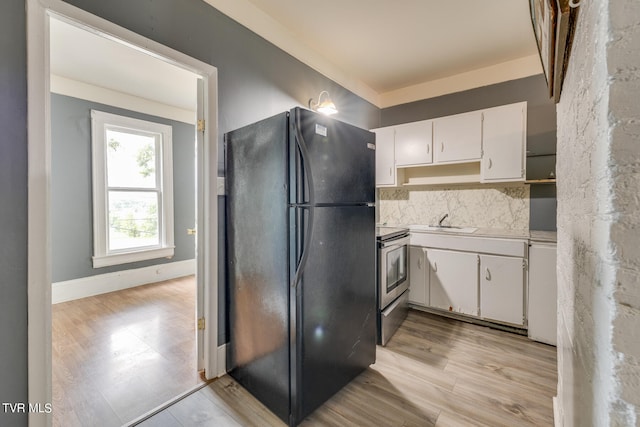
point(256, 80)
point(13, 209)
point(71, 194)
point(541, 129)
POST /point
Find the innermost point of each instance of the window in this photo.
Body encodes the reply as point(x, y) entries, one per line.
point(132, 189)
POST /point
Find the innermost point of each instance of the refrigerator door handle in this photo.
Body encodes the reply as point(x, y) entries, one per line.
point(305, 248)
point(304, 154)
point(308, 235)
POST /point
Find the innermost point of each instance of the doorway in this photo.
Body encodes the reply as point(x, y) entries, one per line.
point(40, 16)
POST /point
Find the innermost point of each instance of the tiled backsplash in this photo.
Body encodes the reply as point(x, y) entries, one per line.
point(503, 207)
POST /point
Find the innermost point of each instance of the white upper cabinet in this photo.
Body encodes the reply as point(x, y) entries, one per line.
point(385, 157)
point(504, 136)
point(458, 138)
point(487, 145)
point(414, 143)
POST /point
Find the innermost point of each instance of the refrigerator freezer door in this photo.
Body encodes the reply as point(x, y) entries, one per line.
point(339, 157)
point(257, 261)
point(335, 304)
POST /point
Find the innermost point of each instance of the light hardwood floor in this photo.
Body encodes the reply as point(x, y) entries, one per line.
point(434, 371)
point(120, 355)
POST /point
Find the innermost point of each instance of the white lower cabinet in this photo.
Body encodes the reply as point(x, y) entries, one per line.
point(453, 281)
point(418, 276)
point(543, 293)
point(482, 277)
point(502, 289)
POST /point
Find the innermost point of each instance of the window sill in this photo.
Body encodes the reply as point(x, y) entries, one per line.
point(127, 257)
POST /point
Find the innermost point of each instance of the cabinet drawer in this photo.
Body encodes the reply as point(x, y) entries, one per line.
point(507, 247)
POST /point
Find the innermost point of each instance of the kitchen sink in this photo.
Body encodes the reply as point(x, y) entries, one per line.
point(445, 228)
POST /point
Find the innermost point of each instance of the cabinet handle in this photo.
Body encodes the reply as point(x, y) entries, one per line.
point(435, 266)
point(427, 149)
point(419, 263)
point(490, 163)
point(487, 274)
point(390, 171)
point(442, 147)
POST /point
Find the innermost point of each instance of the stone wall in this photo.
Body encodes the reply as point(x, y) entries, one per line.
point(598, 172)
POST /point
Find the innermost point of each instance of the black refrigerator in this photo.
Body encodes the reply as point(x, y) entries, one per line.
point(301, 258)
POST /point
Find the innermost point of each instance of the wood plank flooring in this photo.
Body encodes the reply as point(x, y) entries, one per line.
point(120, 355)
point(434, 371)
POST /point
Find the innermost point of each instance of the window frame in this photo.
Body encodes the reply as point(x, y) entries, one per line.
point(102, 256)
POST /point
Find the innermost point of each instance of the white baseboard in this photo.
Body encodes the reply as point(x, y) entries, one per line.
point(116, 281)
point(222, 360)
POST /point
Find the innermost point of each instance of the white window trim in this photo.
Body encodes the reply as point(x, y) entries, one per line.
point(101, 256)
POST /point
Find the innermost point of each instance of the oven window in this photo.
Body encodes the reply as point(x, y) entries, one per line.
point(396, 267)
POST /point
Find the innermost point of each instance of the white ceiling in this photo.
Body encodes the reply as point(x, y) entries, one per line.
point(80, 55)
point(388, 52)
point(394, 44)
point(393, 52)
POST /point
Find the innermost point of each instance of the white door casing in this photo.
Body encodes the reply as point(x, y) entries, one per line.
point(39, 13)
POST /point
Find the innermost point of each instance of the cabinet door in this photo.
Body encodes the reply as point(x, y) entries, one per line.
point(458, 138)
point(413, 143)
point(453, 284)
point(543, 293)
point(385, 157)
point(502, 289)
point(504, 137)
point(418, 276)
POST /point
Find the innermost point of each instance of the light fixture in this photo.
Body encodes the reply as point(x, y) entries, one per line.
point(325, 107)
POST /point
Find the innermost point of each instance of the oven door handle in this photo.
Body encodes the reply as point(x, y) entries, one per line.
point(392, 306)
point(395, 243)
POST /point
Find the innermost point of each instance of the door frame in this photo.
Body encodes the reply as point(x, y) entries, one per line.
point(39, 196)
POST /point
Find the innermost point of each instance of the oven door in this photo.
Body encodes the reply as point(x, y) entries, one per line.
point(394, 270)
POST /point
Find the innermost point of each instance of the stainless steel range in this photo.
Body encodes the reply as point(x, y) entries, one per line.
point(393, 280)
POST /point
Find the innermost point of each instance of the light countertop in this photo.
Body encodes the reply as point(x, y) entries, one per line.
point(533, 235)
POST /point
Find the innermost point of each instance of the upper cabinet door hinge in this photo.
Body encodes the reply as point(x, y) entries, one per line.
point(524, 264)
point(200, 125)
point(201, 323)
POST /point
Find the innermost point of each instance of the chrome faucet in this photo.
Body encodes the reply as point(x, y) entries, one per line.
point(442, 219)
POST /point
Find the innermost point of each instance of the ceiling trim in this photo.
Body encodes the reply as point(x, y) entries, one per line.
point(77, 89)
point(248, 15)
point(253, 18)
point(510, 70)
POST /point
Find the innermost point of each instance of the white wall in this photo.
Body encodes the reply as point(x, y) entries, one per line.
point(598, 171)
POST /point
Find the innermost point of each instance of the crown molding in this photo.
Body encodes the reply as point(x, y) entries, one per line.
point(253, 18)
point(510, 70)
